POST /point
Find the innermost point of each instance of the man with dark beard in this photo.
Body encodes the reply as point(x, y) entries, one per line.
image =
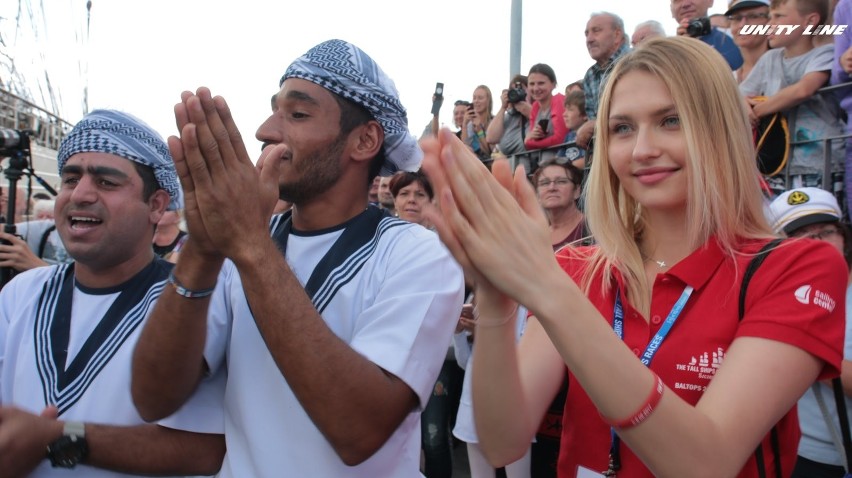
point(331, 331)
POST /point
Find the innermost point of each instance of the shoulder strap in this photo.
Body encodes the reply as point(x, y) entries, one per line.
point(756, 261)
point(752, 267)
point(43, 243)
point(843, 418)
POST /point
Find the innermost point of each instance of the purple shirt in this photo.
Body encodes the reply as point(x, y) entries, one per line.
point(842, 16)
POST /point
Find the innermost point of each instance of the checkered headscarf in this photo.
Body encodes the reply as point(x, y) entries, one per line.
point(121, 134)
point(345, 70)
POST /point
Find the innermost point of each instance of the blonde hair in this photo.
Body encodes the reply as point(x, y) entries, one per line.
point(490, 107)
point(723, 199)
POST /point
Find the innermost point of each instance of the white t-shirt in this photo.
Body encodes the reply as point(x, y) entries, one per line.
point(395, 299)
point(91, 383)
point(465, 427)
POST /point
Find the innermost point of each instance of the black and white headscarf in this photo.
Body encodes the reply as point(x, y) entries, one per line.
point(344, 69)
point(124, 135)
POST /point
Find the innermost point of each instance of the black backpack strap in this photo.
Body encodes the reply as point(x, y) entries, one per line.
point(843, 418)
point(752, 267)
point(756, 261)
point(43, 243)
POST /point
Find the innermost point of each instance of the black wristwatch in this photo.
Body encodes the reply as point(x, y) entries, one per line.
point(69, 449)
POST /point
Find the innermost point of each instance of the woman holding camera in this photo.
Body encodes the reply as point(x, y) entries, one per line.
point(508, 128)
point(547, 128)
point(476, 122)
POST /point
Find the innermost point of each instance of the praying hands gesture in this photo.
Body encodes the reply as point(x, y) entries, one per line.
point(226, 196)
point(490, 221)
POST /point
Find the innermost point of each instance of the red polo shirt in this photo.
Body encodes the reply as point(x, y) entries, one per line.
point(797, 296)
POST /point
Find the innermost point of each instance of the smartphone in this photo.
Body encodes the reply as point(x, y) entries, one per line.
point(438, 99)
point(543, 124)
point(439, 89)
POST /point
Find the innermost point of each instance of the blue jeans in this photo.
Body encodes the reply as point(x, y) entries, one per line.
point(436, 422)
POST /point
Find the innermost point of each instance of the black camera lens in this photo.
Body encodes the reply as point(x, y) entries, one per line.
point(517, 94)
point(698, 27)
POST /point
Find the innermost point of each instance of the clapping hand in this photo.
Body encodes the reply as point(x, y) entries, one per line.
point(492, 223)
point(228, 200)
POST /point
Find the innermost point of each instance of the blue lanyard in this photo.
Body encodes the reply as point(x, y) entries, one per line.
point(650, 351)
point(654, 344)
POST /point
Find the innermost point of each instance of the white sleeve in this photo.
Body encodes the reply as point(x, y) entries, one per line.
point(408, 327)
point(755, 83)
point(820, 60)
point(219, 318)
point(463, 348)
point(204, 412)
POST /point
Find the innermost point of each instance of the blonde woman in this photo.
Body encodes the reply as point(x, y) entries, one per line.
point(665, 379)
point(478, 117)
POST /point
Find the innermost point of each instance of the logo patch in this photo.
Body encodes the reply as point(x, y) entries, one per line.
point(821, 299)
point(797, 197)
point(803, 294)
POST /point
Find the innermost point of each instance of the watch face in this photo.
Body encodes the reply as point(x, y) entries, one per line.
point(67, 451)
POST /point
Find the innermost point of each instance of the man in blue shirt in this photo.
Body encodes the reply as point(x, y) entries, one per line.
point(684, 11)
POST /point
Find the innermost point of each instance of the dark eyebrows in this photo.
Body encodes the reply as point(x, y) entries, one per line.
point(293, 95)
point(94, 171)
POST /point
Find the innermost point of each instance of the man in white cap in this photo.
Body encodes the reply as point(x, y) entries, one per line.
point(804, 212)
point(740, 14)
point(333, 330)
point(814, 213)
point(67, 331)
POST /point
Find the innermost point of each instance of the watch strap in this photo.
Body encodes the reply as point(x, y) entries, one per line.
point(77, 429)
point(69, 449)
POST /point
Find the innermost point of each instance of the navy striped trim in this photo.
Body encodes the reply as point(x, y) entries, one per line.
point(64, 386)
point(344, 273)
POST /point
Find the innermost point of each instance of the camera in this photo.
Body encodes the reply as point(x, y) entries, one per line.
point(14, 142)
point(698, 27)
point(517, 94)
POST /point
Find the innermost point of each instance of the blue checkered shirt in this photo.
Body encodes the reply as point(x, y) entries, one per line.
point(594, 81)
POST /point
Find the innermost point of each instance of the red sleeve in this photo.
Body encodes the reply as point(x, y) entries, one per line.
point(798, 296)
point(557, 106)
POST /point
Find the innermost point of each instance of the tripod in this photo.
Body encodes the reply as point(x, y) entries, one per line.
point(18, 162)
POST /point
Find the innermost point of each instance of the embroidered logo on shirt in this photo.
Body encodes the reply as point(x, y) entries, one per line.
point(820, 298)
point(703, 368)
point(803, 294)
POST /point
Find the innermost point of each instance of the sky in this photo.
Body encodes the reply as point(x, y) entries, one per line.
point(138, 56)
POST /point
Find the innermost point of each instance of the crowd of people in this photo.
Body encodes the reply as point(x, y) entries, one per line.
point(586, 282)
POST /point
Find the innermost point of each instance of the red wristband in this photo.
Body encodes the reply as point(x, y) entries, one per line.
point(644, 411)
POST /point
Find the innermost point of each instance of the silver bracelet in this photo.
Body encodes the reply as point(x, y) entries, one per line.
point(188, 293)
